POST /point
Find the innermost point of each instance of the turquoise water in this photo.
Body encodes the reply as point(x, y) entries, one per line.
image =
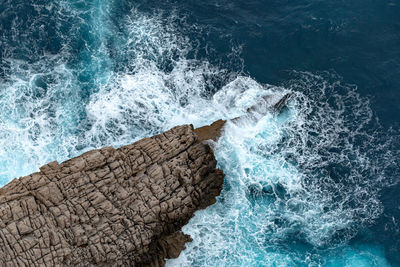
point(281, 204)
point(316, 185)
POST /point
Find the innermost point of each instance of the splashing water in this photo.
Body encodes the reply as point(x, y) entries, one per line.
point(299, 186)
point(62, 105)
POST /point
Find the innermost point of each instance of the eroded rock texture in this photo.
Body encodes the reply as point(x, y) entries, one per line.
point(109, 207)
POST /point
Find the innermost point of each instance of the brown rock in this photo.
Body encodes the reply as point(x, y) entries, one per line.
point(210, 132)
point(110, 207)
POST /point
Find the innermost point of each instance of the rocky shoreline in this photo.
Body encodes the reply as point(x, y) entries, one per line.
point(116, 207)
point(110, 207)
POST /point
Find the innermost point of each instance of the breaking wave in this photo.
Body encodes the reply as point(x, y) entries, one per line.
point(299, 185)
point(119, 88)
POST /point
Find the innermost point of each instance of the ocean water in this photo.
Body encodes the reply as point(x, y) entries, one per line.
point(316, 185)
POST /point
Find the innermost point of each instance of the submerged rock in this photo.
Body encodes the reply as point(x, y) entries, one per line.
point(109, 207)
point(268, 103)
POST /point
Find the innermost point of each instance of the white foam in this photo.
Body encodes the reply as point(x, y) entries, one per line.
point(304, 205)
point(292, 156)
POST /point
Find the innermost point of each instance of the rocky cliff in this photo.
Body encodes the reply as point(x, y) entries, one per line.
point(109, 207)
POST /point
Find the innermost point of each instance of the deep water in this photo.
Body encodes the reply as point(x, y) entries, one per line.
point(317, 185)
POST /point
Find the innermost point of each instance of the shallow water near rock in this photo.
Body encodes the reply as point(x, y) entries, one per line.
point(315, 185)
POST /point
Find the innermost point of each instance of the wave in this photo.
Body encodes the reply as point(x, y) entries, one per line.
point(299, 186)
point(110, 83)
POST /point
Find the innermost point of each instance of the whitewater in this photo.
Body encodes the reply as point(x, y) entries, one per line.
point(299, 185)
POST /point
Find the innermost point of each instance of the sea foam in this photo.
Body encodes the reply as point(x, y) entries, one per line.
point(299, 185)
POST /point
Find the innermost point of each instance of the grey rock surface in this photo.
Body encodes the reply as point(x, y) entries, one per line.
point(109, 207)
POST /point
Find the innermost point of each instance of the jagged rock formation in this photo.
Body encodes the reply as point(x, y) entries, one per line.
point(109, 207)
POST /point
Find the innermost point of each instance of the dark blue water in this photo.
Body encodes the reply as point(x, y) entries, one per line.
point(315, 186)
